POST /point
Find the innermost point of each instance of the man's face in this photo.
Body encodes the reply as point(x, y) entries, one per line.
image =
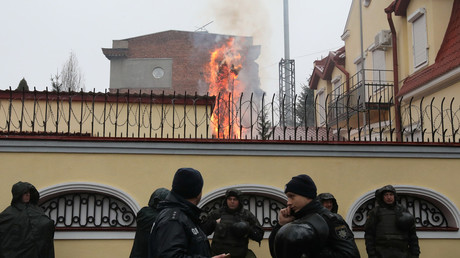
point(389, 198)
point(296, 202)
point(232, 202)
point(26, 197)
point(328, 204)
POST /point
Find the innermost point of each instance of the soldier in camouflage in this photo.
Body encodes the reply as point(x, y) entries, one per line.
point(233, 226)
point(390, 228)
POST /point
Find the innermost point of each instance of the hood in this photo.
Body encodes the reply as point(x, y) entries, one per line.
point(379, 195)
point(157, 196)
point(21, 188)
point(235, 193)
point(328, 196)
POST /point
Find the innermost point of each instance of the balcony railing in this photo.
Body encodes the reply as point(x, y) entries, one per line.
point(368, 89)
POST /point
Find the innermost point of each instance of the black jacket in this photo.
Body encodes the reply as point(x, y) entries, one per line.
point(144, 219)
point(25, 230)
point(176, 232)
point(338, 242)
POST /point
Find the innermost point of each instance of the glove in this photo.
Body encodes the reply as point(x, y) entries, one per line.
point(240, 229)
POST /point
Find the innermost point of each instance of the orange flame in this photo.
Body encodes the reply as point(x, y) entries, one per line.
point(222, 76)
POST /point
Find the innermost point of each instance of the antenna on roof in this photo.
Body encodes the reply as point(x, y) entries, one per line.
point(202, 28)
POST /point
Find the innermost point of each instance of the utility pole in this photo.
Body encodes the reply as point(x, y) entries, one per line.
point(286, 76)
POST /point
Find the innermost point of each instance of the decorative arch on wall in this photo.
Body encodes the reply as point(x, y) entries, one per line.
point(83, 210)
point(444, 204)
point(263, 201)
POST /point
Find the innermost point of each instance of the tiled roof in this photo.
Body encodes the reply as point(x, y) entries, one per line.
point(448, 57)
point(324, 67)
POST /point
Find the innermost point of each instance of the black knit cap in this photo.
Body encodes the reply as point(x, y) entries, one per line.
point(187, 183)
point(302, 185)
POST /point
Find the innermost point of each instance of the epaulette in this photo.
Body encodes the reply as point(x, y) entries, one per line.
point(332, 216)
point(173, 214)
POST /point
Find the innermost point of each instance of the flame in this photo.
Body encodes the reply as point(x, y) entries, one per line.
point(222, 76)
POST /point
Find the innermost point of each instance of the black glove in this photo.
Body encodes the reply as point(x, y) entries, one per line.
point(240, 229)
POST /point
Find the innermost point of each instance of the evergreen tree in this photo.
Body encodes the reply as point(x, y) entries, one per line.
point(305, 107)
point(264, 126)
point(23, 85)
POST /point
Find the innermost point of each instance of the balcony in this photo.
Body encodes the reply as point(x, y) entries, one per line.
point(368, 90)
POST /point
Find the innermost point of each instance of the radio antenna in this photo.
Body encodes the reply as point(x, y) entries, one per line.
point(202, 28)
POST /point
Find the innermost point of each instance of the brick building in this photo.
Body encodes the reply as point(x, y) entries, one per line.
point(174, 61)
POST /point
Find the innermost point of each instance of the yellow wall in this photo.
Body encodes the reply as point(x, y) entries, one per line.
point(167, 112)
point(138, 175)
point(437, 18)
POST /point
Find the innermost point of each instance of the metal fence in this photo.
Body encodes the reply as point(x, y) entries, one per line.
point(256, 118)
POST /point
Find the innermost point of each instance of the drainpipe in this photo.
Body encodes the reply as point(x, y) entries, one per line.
point(390, 9)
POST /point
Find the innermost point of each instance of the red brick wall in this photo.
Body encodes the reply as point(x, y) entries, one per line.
point(190, 52)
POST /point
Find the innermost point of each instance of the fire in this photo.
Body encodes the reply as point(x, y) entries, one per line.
point(222, 76)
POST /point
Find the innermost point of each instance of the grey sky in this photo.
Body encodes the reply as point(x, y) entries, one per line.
point(38, 36)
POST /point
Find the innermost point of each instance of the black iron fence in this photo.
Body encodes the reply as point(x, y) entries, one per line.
point(243, 117)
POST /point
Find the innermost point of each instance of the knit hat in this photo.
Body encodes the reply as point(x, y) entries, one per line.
point(302, 185)
point(187, 183)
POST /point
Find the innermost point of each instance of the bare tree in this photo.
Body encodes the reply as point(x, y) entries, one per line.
point(71, 76)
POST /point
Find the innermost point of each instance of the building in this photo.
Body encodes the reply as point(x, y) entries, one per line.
point(178, 61)
point(402, 64)
point(96, 158)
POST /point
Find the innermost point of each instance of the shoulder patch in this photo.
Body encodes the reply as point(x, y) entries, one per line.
point(342, 232)
point(195, 231)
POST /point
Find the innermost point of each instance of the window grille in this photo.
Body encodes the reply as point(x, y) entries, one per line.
point(89, 211)
point(428, 217)
point(264, 208)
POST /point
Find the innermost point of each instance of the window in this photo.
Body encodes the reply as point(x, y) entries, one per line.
point(262, 201)
point(419, 37)
point(321, 107)
point(337, 83)
point(357, 81)
point(89, 211)
point(435, 215)
point(378, 73)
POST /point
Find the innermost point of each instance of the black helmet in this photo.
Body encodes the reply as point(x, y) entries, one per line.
point(235, 193)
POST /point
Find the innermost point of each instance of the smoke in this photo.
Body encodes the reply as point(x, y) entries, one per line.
point(244, 18)
point(241, 17)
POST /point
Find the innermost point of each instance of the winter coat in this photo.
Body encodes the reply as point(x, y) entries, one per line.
point(323, 234)
point(328, 196)
point(390, 229)
point(144, 219)
point(25, 230)
point(235, 229)
point(176, 232)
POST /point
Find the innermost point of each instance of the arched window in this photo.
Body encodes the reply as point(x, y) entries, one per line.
point(86, 210)
point(435, 215)
point(262, 201)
